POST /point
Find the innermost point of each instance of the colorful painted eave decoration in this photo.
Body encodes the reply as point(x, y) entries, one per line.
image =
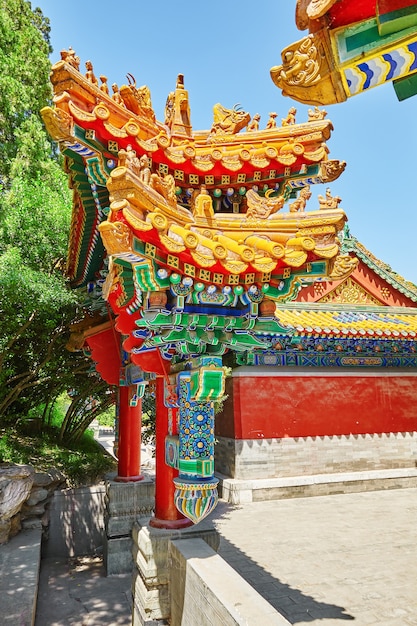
point(86, 250)
point(335, 336)
point(351, 47)
point(335, 354)
point(204, 333)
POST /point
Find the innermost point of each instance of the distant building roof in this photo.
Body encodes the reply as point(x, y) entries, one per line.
point(352, 245)
point(342, 320)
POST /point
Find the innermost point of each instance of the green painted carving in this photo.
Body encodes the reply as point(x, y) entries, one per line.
point(207, 383)
point(147, 276)
point(96, 170)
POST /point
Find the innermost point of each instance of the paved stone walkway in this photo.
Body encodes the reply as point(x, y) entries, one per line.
point(320, 561)
point(76, 592)
point(329, 559)
point(19, 570)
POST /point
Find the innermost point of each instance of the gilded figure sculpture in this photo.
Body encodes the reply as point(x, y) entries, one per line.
point(203, 204)
point(254, 123)
point(271, 123)
point(331, 169)
point(290, 119)
point(343, 266)
point(116, 95)
point(71, 58)
point(305, 74)
point(315, 114)
point(328, 201)
point(169, 108)
point(164, 186)
point(116, 236)
point(90, 76)
point(300, 203)
point(129, 159)
point(299, 63)
point(104, 86)
point(58, 124)
point(137, 99)
point(144, 169)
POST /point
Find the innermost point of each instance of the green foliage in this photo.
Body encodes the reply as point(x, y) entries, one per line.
point(35, 308)
point(91, 396)
point(35, 304)
point(35, 212)
point(148, 417)
point(81, 464)
point(107, 418)
point(35, 158)
point(24, 72)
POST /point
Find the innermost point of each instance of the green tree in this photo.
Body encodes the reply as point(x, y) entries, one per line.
point(149, 416)
point(24, 73)
point(88, 399)
point(36, 305)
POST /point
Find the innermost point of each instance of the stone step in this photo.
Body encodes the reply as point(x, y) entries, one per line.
point(19, 578)
point(239, 491)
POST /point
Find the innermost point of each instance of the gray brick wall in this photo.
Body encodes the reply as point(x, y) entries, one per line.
point(275, 458)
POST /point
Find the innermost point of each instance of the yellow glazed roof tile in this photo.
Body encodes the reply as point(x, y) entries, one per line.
point(350, 322)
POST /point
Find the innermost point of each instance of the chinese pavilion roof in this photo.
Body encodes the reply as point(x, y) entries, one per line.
point(247, 175)
point(358, 306)
point(367, 319)
point(321, 335)
point(187, 237)
point(198, 243)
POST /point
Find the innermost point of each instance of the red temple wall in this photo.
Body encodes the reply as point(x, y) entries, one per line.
point(265, 406)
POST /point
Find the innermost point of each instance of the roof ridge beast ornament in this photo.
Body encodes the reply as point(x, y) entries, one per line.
point(228, 121)
point(351, 47)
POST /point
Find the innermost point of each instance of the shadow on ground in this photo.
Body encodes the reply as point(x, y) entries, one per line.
point(76, 592)
point(292, 603)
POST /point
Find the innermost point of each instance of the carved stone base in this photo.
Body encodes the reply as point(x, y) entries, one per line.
point(151, 593)
point(125, 503)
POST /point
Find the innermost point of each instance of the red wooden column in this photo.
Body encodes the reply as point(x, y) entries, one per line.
point(166, 513)
point(130, 424)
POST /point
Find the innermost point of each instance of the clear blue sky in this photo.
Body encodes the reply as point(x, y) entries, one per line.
point(225, 50)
